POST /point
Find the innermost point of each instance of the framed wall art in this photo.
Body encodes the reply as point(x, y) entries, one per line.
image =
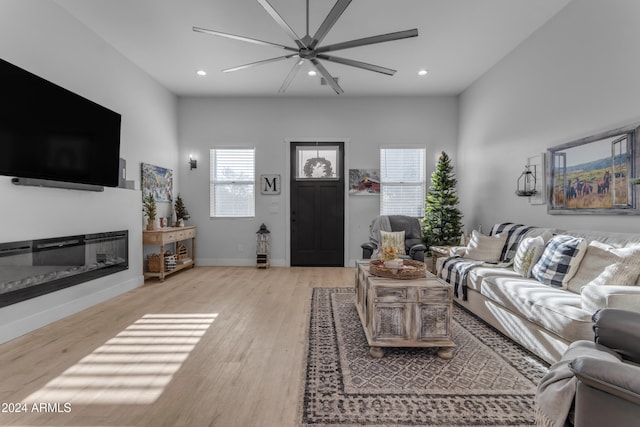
point(594, 175)
point(270, 184)
point(364, 182)
point(157, 181)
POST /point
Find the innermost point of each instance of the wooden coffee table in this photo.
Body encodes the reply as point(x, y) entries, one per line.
point(404, 313)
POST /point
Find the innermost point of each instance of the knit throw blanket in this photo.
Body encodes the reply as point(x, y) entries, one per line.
point(456, 269)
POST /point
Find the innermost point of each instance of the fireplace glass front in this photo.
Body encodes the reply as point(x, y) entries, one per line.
point(36, 267)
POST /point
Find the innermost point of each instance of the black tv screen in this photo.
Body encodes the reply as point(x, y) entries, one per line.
point(48, 132)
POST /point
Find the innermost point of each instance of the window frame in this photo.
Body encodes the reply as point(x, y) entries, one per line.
point(422, 184)
point(213, 182)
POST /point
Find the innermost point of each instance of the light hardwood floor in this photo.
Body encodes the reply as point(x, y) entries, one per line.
point(244, 368)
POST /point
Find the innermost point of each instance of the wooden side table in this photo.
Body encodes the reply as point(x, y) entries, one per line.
point(438, 252)
point(166, 236)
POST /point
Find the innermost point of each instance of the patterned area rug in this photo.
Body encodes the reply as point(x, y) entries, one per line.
point(489, 382)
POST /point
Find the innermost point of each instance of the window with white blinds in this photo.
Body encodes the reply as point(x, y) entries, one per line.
point(402, 181)
point(232, 185)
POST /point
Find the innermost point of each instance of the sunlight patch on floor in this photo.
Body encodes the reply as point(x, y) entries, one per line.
point(134, 367)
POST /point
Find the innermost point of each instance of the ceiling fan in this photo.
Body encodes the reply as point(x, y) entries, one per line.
point(308, 48)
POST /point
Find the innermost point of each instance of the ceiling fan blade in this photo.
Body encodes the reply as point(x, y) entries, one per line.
point(329, 22)
point(369, 40)
point(359, 64)
point(241, 38)
point(253, 64)
point(328, 77)
point(276, 16)
point(291, 75)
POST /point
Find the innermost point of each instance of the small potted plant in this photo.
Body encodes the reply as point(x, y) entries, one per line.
point(149, 209)
point(182, 214)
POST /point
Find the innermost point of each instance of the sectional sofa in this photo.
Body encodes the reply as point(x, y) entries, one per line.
point(543, 286)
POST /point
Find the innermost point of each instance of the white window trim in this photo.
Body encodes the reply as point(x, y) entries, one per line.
point(213, 182)
point(422, 184)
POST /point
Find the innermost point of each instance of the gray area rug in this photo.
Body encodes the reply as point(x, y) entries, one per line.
point(489, 382)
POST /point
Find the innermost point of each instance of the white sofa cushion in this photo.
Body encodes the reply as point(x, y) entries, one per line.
point(560, 260)
point(554, 309)
point(479, 273)
point(485, 248)
point(604, 264)
point(528, 253)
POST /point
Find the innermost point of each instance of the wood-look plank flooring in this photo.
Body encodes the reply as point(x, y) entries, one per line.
point(245, 370)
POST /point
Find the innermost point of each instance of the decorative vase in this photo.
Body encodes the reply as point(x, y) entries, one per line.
point(180, 222)
point(150, 225)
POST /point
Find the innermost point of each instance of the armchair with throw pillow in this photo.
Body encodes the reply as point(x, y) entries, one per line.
point(398, 230)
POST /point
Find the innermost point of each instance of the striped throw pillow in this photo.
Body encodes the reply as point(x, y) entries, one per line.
point(394, 239)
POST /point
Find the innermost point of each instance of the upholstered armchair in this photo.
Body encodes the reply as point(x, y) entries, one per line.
point(413, 246)
point(596, 383)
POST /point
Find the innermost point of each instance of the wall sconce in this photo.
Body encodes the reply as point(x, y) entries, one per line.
point(526, 186)
point(193, 163)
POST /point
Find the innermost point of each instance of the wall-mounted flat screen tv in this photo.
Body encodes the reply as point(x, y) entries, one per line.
point(50, 133)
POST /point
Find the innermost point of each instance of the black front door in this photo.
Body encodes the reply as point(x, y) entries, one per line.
point(317, 204)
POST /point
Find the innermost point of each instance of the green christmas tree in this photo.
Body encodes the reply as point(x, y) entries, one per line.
point(181, 211)
point(442, 218)
point(149, 209)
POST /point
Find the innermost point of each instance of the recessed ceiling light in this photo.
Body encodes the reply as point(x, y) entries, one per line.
point(423, 72)
point(312, 73)
point(201, 72)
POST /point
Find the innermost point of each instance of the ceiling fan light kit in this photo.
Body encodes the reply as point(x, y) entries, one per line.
point(309, 48)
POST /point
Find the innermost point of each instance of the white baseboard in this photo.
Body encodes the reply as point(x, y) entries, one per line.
point(236, 262)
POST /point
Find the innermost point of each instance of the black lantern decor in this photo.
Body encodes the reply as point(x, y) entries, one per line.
point(262, 247)
point(526, 186)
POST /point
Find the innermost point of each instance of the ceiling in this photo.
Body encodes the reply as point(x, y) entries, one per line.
point(458, 41)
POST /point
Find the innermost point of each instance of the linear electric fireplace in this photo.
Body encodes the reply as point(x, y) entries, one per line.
point(36, 267)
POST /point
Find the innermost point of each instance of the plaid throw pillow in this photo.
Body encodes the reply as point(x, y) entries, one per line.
point(560, 260)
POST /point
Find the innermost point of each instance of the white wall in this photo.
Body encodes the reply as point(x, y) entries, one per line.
point(575, 77)
point(266, 123)
point(42, 38)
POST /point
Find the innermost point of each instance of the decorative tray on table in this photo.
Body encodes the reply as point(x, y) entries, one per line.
point(409, 269)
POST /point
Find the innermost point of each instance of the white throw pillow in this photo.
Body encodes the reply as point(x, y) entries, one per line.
point(485, 248)
point(528, 253)
point(606, 265)
point(393, 238)
point(560, 260)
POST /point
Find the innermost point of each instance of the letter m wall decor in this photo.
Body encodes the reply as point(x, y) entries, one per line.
point(270, 184)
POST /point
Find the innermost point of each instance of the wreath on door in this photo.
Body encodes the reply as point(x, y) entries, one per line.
point(318, 164)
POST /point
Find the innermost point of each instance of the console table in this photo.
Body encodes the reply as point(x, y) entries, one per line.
point(166, 236)
point(404, 313)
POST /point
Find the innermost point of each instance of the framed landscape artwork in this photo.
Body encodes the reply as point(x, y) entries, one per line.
point(594, 175)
